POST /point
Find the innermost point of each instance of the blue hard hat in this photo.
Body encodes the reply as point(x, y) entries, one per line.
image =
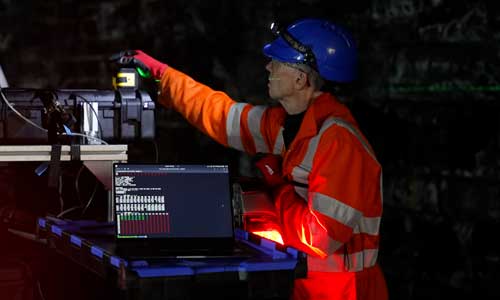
point(326, 47)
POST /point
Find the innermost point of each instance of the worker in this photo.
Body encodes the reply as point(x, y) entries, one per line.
point(328, 182)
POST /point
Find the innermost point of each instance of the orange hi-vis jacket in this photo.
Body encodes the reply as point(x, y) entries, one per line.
point(332, 207)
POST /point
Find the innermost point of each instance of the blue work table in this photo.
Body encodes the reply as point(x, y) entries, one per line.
point(267, 274)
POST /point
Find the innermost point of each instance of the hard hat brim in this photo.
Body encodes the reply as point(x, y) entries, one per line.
point(282, 51)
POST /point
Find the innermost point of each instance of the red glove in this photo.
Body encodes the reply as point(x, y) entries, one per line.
point(269, 166)
point(136, 58)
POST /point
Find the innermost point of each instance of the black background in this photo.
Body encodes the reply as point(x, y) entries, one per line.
point(427, 101)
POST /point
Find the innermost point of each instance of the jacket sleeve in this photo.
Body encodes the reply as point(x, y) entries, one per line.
point(235, 124)
point(343, 189)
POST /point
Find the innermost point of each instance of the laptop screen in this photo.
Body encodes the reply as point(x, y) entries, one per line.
point(157, 201)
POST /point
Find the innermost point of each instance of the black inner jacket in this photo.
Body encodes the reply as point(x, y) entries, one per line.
point(291, 127)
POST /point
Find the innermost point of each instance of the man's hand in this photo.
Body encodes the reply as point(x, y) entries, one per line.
point(269, 166)
point(147, 65)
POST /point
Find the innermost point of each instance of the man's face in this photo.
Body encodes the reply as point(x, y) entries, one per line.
point(285, 86)
point(281, 80)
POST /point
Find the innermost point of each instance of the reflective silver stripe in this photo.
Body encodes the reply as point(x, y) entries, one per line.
point(301, 172)
point(233, 126)
point(254, 121)
point(300, 175)
point(345, 214)
point(355, 132)
point(280, 143)
point(368, 225)
point(354, 262)
point(306, 164)
point(339, 211)
point(370, 257)
point(335, 209)
point(301, 191)
point(327, 205)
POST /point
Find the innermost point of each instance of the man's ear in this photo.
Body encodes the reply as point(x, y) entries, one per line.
point(301, 80)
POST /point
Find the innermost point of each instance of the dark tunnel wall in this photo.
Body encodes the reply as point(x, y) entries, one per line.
point(427, 100)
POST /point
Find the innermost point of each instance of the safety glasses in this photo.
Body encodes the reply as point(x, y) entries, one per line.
point(276, 64)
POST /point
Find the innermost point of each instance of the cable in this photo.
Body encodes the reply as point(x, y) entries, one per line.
point(40, 290)
point(45, 130)
point(93, 110)
point(27, 235)
point(19, 114)
point(87, 136)
point(157, 152)
point(98, 122)
point(67, 211)
point(59, 190)
point(90, 200)
point(77, 185)
point(4, 110)
point(77, 190)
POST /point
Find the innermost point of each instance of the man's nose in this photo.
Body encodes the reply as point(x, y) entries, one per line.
point(269, 66)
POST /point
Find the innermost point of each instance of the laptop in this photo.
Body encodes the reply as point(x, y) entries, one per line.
point(173, 210)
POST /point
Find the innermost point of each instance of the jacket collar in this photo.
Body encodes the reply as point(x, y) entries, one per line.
point(324, 106)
